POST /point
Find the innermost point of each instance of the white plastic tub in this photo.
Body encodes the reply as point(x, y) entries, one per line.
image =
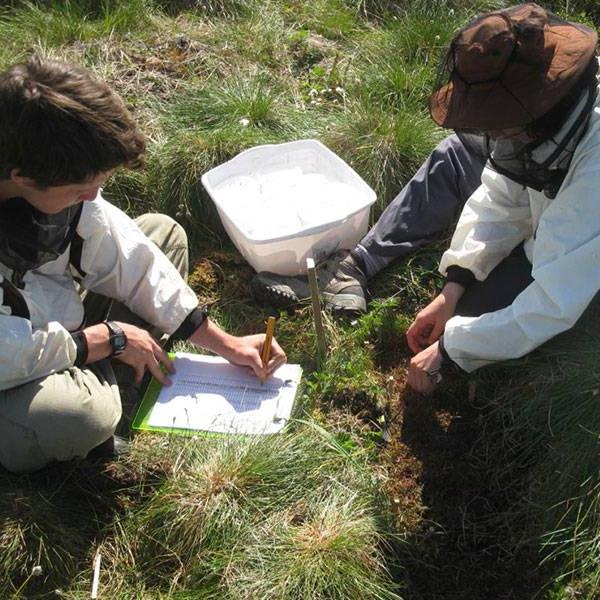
point(283, 203)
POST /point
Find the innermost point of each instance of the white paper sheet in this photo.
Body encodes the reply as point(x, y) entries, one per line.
point(210, 394)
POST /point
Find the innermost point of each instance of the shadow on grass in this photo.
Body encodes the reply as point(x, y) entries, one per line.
point(460, 552)
point(51, 519)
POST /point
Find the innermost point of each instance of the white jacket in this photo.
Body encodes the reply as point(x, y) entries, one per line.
point(120, 262)
point(562, 241)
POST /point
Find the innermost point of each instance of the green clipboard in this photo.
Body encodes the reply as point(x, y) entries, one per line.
point(142, 415)
point(144, 410)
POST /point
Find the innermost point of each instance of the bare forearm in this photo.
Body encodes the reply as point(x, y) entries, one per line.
point(452, 292)
point(210, 336)
point(98, 344)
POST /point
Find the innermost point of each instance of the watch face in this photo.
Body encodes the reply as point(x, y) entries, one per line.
point(117, 338)
point(119, 343)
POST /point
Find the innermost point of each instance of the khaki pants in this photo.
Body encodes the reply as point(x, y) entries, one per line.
point(66, 414)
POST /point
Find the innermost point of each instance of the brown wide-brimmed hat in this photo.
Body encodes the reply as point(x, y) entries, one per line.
point(509, 67)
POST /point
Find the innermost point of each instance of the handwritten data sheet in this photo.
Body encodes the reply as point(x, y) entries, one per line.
point(210, 394)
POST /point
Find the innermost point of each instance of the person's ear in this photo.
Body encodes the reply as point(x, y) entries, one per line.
point(16, 177)
point(20, 180)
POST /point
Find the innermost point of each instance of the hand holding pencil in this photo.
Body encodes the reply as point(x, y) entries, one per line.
point(260, 352)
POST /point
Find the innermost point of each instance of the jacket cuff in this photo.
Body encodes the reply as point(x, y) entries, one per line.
point(447, 362)
point(192, 322)
point(460, 275)
point(82, 348)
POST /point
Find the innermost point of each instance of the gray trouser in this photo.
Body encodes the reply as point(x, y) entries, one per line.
point(66, 414)
point(428, 206)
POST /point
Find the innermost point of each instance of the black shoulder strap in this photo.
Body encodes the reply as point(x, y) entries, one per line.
point(76, 246)
point(75, 254)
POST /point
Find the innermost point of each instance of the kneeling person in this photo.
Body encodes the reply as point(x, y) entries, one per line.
point(62, 133)
point(521, 93)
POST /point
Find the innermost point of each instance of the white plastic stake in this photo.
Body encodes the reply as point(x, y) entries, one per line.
point(96, 578)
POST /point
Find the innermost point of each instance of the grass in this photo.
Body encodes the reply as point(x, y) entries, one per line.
point(330, 509)
point(239, 102)
point(54, 23)
point(548, 446)
point(327, 549)
point(385, 149)
point(250, 517)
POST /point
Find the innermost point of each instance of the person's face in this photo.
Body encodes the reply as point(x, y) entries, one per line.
point(54, 199)
point(516, 134)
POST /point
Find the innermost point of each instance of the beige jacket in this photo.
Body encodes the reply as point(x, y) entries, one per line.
point(562, 241)
point(119, 262)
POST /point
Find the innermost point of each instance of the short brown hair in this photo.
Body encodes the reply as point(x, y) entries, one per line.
point(60, 125)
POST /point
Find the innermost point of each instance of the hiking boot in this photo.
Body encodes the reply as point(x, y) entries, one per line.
point(341, 282)
point(111, 448)
point(345, 290)
point(282, 291)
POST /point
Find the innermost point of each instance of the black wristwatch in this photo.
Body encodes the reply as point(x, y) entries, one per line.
point(117, 338)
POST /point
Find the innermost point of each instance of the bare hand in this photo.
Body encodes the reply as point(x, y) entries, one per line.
point(246, 352)
point(429, 323)
point(424, 370)
point(143, 353)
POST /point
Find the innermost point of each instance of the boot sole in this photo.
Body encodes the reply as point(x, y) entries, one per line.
point(348, 303)
point(268, 295)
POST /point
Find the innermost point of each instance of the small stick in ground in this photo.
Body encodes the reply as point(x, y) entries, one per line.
point(96, 577)
point(316, 305)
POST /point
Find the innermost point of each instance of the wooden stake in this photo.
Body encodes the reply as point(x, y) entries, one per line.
point(96, 578)
point(316, 305)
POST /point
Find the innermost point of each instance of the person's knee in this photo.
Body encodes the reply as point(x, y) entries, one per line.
point(86, 417)
point(450, 144)
point(59, 417)
point(169, 236)
point(162, 230)
point(19, 450)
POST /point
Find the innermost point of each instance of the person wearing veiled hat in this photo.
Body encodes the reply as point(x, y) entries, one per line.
point(518, 86)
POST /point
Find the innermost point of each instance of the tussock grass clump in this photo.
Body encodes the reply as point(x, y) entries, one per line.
point(229, 503)
point(580, 10)
point(259, 38)
point(240, 101)
point(397, 83)
point(421, 36)
point(129, 191)
point(118, 576)
point(380, 9)
point(209, 8)
point(327, 548)
point(333, 19)
point(398, 63)
point(384, 147)
point(548, 449)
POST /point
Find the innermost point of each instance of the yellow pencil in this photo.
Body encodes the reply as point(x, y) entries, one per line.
point(266, 349)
